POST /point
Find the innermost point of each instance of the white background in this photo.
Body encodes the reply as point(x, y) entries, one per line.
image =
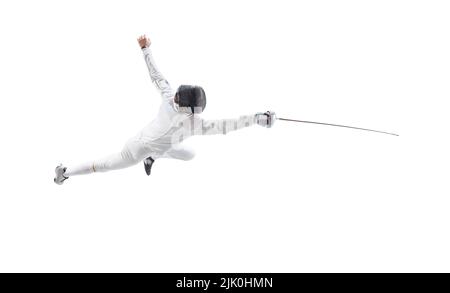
point(294, 198)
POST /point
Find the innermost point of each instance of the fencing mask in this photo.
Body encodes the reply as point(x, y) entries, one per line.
point(190, 99)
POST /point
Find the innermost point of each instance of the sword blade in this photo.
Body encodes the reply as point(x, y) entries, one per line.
point(337, 125)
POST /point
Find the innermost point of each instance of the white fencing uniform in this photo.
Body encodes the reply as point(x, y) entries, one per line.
point(161, 138)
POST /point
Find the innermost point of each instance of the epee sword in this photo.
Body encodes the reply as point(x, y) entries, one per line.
point(337, 125)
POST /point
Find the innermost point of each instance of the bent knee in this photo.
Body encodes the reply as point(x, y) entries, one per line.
point(185, 156)
point(135, 152)
point(189, 156)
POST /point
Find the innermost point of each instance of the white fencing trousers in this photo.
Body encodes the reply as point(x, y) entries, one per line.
point(132, 153)
point(178, 152)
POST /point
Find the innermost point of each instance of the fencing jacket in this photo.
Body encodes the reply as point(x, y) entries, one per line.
point(171, 127)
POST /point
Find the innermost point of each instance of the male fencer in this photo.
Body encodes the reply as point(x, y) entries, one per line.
point(177, 119)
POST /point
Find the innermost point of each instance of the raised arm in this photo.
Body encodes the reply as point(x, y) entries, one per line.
point(160, 82)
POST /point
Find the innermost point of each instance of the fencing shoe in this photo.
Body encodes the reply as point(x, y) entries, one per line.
point(59, 174)
point(148, 165)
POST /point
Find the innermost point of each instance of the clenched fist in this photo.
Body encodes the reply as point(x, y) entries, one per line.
point(144, 42)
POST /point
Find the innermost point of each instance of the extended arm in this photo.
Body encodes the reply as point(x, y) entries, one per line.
point(198, 126)
point(160, 82)
point(223, 126)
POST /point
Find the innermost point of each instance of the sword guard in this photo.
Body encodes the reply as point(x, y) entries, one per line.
point(266, 119)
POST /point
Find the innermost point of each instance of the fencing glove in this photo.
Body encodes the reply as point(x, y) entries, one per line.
point(266, 119)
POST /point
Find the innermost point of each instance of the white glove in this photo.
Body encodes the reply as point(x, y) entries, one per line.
point(266, 119)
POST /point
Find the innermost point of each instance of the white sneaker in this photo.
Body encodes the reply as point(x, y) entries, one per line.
point(59, 174)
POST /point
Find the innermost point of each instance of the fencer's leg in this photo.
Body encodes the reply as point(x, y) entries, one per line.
point(180, 153)
point(111, 162)
point(176, 152)
point(132, 153)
